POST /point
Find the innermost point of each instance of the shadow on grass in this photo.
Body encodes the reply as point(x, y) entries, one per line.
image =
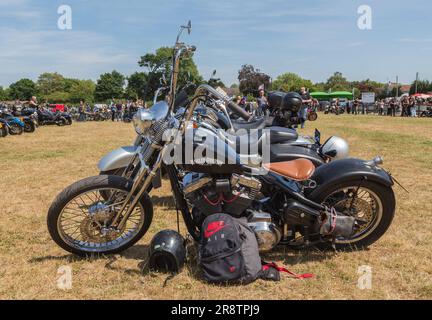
point(69, 258)
point(137, 252)
point(166, 201)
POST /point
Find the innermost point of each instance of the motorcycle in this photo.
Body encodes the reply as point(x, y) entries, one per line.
point(46, 117)
point(29, 117)
point(426, 113)
point(212, 115)
point(15, 125)
point(343, 203)
point(337, 110)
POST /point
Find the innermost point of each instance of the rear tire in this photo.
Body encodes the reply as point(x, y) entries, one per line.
point(388, 202)
point(312, 116)
point(61, 122)
point(16, 129)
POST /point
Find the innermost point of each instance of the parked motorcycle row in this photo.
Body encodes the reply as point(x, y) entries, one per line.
point(18, 121)
point(303, 193)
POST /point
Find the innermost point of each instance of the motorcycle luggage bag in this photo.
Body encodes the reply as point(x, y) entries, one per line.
point(228, 251)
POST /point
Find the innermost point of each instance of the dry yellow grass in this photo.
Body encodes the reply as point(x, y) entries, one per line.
point(35, 168)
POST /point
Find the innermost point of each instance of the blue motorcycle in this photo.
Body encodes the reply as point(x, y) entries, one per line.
point(15, 125)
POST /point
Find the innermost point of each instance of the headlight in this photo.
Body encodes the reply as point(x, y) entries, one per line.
point(144, 118)
point(141, 125)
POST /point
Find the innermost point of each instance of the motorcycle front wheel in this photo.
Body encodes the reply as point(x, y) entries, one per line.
point(79, 218)
point(29, 127)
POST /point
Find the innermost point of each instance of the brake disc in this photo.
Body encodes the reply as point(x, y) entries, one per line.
point(93, 226)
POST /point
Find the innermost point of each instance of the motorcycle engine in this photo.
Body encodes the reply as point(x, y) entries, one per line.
point(233, 195)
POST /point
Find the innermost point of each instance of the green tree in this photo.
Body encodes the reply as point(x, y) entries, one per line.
point(23, 89)
point(109, 85)
point(251, 79)
point(82, 90)
point(337, 82)
point(3, 94)
point(48, 83)
point(423, 86)
point(291, 82)
point(136, 85)
point(160, 63)
point(57, 97)
point(368, 86)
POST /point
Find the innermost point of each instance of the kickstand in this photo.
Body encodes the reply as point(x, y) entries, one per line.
point(334, 243)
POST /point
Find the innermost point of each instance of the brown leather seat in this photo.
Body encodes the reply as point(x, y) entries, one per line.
point(299, 169)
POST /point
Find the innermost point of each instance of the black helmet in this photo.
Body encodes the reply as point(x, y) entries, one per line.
point(167, 251)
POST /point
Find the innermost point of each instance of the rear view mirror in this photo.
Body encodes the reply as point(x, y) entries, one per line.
point(189, 26)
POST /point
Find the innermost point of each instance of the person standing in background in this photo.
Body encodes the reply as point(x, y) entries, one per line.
point(306, 100)
point(119, 107)
point(413, 104)
point(262, 102)
point(355, 106)
point(113, 111)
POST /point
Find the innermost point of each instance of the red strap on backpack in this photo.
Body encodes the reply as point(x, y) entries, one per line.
point(282, 269)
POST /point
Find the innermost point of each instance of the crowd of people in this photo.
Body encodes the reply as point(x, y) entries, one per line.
point(116, 110)
point(407, 106)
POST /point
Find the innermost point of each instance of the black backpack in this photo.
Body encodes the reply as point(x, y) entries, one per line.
point(228, 250)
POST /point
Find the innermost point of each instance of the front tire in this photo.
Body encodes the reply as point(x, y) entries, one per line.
point(29, 127)
point(82, 188)
point(380, 222)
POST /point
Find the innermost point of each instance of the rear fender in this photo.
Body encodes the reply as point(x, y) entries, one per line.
point(117, 159)
point(339, 171)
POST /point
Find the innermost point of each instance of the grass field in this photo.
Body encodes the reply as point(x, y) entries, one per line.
point(34, 168)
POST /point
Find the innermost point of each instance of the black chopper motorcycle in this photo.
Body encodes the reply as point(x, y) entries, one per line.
point(344, 203)
point(47, 117)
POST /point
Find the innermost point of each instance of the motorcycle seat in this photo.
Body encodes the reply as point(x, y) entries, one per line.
point(299, 169)
point(280, 134)
point(240, 124)
point(253, 140)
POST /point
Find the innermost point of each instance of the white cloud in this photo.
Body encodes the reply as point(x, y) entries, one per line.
point(72, 53)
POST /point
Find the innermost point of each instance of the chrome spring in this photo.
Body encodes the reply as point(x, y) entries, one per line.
point(159, 128)
point(148, 151)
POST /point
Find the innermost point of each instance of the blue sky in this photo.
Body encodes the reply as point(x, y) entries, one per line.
point(311, 38)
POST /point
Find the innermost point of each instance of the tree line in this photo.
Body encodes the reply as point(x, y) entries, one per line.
point(53, 87)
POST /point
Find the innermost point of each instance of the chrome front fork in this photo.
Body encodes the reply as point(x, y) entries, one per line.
point(145, 174)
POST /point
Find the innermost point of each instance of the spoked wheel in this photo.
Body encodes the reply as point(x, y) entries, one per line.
point(79, 220)
point(372, 205)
